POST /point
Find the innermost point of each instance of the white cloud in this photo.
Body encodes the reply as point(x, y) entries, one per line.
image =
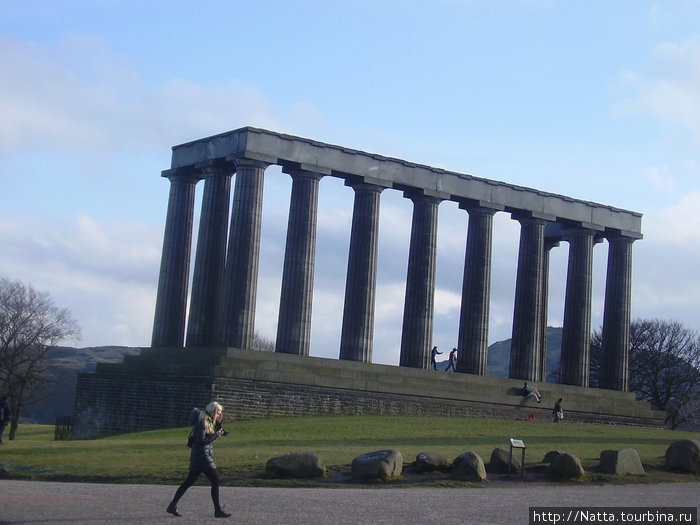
point(661, 179)
point(670, 89)
point(676, 224)
point(105, 274)
point(78, 95)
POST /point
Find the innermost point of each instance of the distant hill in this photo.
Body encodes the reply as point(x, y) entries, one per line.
point(498, 363)
point(499, 356)
point(64, 363)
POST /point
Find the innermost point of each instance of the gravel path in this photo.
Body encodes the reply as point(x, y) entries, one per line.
point(82, 503)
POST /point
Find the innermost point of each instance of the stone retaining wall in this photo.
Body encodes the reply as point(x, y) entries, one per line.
point(153, 391)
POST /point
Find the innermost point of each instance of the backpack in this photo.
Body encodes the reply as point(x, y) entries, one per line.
point(194, 417)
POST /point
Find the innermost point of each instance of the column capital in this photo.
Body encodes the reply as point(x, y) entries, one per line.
point(531, 217)
point(216, 166)
point(182, 175)
point(302, 173)
point(362, 185)
point(423, 195)
point(619, 237)
point(579, 229)
point(251, 163)
point(475, 206)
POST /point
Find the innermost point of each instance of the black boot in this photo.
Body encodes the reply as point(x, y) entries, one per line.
point(218, 513)
point(172, 509)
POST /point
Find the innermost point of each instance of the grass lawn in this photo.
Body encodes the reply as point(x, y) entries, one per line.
point(161, 456)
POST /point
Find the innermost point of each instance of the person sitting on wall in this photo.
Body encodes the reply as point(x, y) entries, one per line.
point(529, 392)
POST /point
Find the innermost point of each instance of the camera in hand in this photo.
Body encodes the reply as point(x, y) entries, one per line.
point(224, 432)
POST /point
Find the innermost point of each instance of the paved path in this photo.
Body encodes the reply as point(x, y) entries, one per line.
point(81, 503)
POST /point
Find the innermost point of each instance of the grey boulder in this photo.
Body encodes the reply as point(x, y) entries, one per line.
point(469, 467)
point(378, 465)
point(565, 466)
point(431, 461)
point(499, 462)
point(684, 456)
point(296, 465)
point(620, 462)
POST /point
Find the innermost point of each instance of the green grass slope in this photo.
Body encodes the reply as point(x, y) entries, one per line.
point(162, 457)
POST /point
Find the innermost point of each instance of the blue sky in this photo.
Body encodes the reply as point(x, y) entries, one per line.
point(594, 100)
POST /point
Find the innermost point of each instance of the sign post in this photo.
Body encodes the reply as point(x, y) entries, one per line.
point(517, 443)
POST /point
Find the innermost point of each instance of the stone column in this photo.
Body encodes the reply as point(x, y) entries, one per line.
point(576, 335)
point(472, 344)
point(237, 320)
point(548, 245)
point(614, 367)
point(360, 286)
point(210, 258)
point(525, 359)
point(171, 300)
point(417, 332)
point(294, 322)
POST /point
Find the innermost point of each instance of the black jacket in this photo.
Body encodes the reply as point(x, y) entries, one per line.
point(202, 453)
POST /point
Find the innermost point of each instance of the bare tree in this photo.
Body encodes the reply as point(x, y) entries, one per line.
point(262, 343)
point(664, 367)
point(30, 326)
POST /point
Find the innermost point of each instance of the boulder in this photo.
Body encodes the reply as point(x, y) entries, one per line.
point(296, 465)
point(469, 467)
point(499, 461)
point(549, 456)
point(684, 456)
point(565, 466)
point(431, 461)
point(381, 464)
point(620, 462)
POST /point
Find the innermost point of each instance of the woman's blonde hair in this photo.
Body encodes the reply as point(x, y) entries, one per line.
point(208, 415)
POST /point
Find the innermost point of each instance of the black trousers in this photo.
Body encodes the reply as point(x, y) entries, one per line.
point(212, 474)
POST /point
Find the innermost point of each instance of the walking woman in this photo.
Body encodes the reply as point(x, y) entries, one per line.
point(202, 459)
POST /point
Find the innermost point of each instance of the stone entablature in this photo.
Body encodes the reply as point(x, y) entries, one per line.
point(299, 153)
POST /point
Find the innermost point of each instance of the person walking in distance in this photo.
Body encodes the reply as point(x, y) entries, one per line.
point(453, 360)
point(433, 354)
point(557, 411)
point(205, 432)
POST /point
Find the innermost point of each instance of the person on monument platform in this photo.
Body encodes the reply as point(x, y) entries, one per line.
point(453, 360)
point(207, 429)
point(529, 392)
point(433, 354)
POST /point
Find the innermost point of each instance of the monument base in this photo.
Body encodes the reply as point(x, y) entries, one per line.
point(159, 388)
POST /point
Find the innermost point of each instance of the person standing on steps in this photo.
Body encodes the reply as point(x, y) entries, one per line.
point(206, 431)
point(433, 354)
point(453, 360)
